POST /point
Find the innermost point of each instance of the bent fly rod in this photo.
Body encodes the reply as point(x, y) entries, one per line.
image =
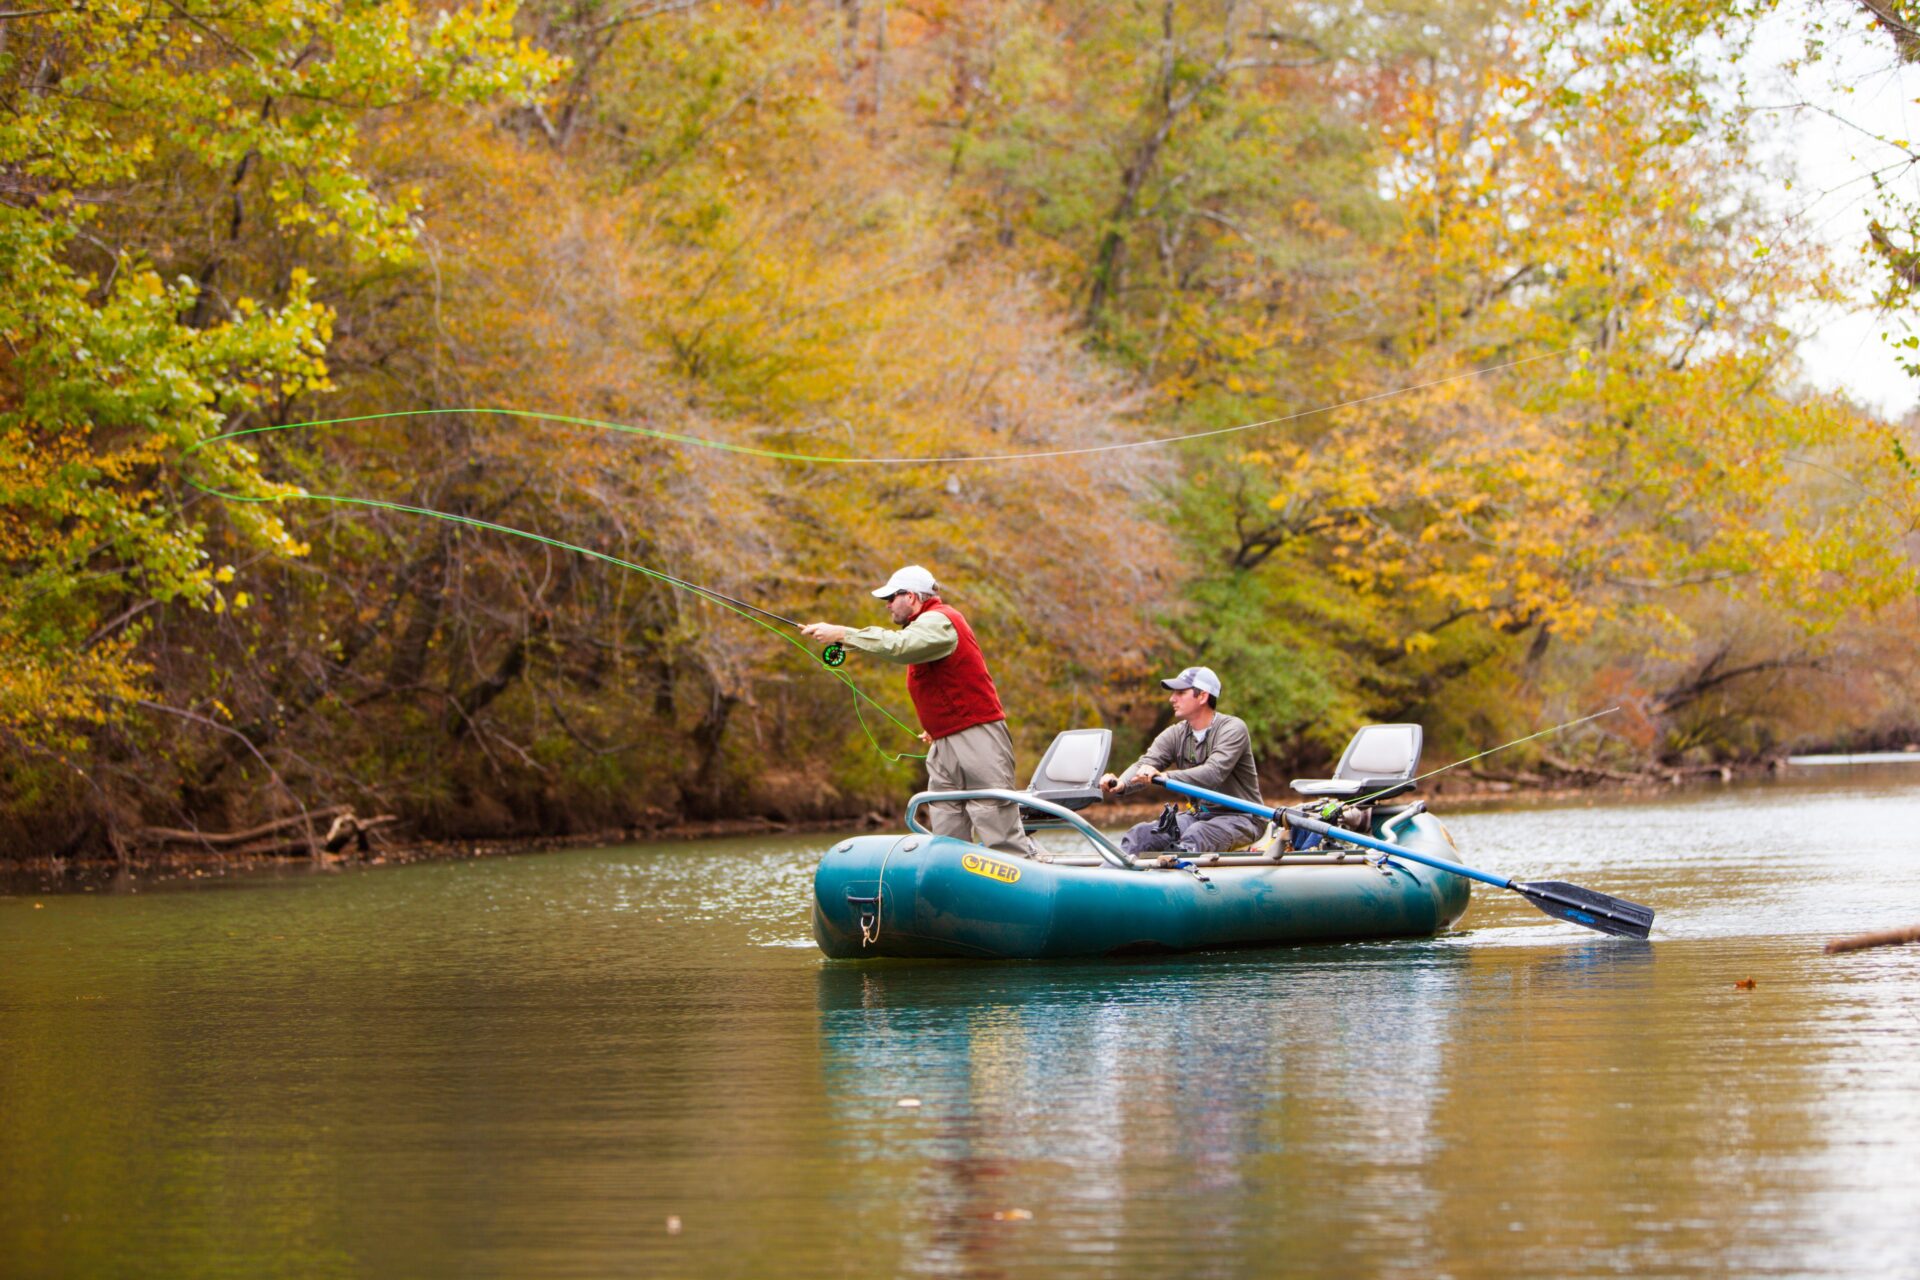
point(833, 655)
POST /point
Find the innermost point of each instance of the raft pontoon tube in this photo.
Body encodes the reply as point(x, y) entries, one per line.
point(920, 894)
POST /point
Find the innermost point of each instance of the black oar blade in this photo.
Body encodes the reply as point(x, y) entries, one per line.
point(1612, 915)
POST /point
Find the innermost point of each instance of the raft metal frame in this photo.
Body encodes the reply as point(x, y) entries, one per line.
point(1110, 853)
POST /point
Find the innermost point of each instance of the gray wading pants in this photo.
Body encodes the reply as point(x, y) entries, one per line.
point(968, 761)
point(1191, 833)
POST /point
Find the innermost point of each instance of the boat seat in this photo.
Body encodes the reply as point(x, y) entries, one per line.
point(1069, 773)
point(1382, 758)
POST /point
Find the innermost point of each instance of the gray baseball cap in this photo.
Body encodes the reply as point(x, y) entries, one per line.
point(1201, 678)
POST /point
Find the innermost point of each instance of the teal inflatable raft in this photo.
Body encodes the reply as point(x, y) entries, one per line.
point(920, 894)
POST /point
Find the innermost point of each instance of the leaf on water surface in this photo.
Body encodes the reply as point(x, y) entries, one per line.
point(1745, 984)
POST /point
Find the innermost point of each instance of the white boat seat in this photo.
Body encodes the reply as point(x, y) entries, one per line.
point(1069, 773)
point(1382, 758)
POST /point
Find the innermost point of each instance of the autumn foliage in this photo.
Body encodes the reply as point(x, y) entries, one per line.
point(1493, 278)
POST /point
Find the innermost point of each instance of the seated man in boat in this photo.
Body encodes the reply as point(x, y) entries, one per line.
point(1204, 748)
point(959, 708)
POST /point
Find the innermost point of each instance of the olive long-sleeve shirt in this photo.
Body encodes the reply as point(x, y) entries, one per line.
point(928, 638)
point(1222, 761)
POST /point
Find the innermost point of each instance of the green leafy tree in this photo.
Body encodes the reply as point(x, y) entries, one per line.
point(126, 131)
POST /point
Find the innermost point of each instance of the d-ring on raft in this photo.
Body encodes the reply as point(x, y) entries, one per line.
point(925, 895)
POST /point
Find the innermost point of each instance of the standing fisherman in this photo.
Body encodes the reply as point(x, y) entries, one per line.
point(958, 706)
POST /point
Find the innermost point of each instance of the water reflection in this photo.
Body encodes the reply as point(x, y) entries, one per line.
point(1166, 1090)
point(1403, 1109)
point(525, 1066)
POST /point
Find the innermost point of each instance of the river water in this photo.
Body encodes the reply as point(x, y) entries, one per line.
point(632, 1061)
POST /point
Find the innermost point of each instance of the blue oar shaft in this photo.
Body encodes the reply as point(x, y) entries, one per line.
point(1297, 819)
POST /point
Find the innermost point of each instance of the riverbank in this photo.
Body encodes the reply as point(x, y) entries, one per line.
point(170, 863)
point(382, 842)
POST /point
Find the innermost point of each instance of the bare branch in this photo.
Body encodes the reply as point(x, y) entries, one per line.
point(1904, 263)
point(1906, 39)
point(197, 718)
point(641, 15)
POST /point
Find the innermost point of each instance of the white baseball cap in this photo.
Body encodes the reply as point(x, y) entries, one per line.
point(1201, 678)
point(912, 578)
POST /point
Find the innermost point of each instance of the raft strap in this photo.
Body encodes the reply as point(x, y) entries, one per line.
point(869, 909)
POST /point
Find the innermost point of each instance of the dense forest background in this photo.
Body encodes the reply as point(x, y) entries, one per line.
point(1528, 251)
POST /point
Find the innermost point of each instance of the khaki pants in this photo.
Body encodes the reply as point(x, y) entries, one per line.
point(968, 761)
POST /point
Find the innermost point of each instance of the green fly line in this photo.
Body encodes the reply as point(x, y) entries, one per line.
point(783, 455)
point(474, 522)
point(755, 451)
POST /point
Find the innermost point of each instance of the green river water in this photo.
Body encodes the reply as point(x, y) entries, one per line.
point(633, 1062)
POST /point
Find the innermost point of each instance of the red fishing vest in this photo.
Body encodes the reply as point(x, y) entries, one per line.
point(955, 692)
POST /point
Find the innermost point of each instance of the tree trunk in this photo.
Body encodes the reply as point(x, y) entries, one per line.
point(707, 798)
point(470, 701)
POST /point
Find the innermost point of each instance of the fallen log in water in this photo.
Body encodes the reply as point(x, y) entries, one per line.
point(1566, 766)
point(227, 839)
point(1885, 938)
point(281, 837)
point(347, 827)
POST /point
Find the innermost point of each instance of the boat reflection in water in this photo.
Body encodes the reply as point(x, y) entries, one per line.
point(1208, 1104)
